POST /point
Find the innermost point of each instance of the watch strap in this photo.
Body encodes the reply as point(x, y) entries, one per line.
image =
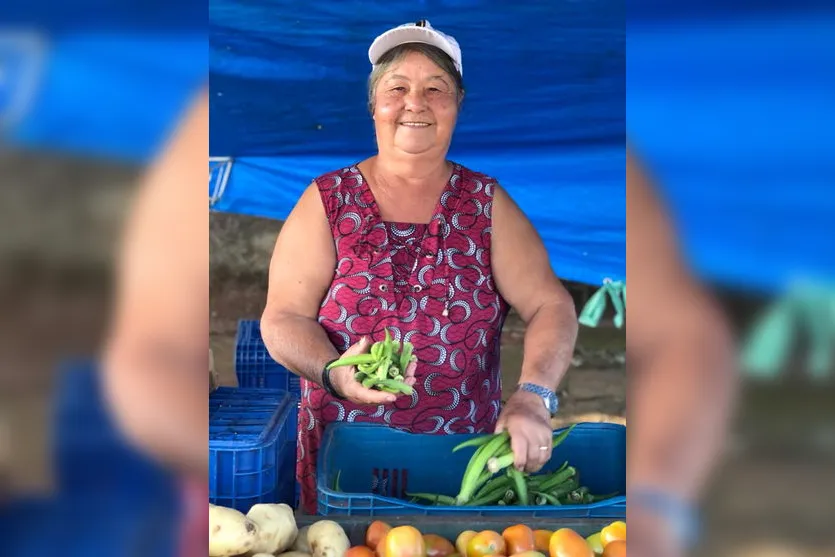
point(326, 382)
point(680, 515)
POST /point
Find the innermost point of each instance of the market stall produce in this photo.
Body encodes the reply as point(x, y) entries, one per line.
point(275, 530)
point(490, 479)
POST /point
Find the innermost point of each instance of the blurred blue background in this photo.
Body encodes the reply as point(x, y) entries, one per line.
point(109, 498)
point(728, 104)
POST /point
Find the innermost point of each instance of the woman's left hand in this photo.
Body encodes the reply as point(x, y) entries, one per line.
point(528, 423)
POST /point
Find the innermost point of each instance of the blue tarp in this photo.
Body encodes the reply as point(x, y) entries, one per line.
point(108, 94)
point(737, 117)
point(734, 113)
point(543, 114)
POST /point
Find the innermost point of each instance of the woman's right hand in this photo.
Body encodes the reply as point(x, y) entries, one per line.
point(342, 379)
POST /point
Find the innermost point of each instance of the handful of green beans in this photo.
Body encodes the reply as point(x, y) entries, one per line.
point(383, 368)
point(491, 479)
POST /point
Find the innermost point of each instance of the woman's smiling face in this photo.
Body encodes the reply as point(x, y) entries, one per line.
point(415, 106)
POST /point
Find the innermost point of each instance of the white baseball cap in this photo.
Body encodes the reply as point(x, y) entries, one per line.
point(419, 32)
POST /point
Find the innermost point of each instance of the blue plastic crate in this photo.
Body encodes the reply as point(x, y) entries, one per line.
point(252, 447)
point(80, 525)
point(377, 465)
point(255, 367)
point(90, 455)
point(95, 470)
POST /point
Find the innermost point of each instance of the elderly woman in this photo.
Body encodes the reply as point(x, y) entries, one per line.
point(409, 241)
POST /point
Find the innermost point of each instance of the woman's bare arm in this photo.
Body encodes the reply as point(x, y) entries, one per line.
point(525, 278)
point(679, 352)
point(682, 374)
point(301, 271)
point(155, 361)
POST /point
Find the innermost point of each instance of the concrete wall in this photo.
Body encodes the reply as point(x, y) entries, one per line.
point(60, 223)
point(241, 246)
point(66, 211)
point(61, 211)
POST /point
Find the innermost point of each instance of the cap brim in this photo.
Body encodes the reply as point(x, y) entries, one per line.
point(412, 34)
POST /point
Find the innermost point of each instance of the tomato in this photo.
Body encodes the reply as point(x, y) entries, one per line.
point(595, 544)
point(565, 542)
point(486, 542)
point(542, 538)
point(360, 551)
point(377, 530)
point(404, 541)
point(437, 546)
point(613, 532)
point(518, 539)
point(462, 541)
point(615, 548)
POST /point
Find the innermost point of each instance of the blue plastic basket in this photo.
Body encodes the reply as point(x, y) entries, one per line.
point(95, 470)
point(80, 525)
point(252, 447)
point(255, 367)
point(90, 454)
point(377, 465)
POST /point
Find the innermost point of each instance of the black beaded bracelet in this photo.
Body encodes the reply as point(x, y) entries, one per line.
point(326, 382)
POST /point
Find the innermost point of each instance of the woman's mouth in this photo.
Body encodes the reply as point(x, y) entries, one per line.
point(415, 124)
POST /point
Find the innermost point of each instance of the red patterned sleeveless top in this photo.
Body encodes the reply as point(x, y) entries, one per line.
point(429, 284)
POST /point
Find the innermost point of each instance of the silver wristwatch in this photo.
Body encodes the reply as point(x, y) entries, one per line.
point(549, 397)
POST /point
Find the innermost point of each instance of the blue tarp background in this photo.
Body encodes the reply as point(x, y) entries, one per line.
point(736, 116)
point(734, 113)
point(108, 94)
point(544, 110)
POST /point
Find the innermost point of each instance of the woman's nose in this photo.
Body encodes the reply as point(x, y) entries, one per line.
point(415, 100)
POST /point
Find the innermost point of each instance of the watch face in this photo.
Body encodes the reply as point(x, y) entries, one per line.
point(551, 404)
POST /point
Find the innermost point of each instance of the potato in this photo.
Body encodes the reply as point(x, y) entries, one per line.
point(327, 539)
point(230, 532)
point(277, 528)
point(301, 544)
point(294, 554)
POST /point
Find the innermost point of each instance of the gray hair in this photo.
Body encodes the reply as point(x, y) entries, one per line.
point(396, 54)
